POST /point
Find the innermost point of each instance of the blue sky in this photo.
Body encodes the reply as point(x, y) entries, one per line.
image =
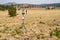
point(31, 1)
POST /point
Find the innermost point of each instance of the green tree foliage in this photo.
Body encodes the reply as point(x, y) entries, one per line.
point(12, 11)
point(2, 7)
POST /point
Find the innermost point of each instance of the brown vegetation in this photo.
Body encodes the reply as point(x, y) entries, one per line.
point(38, 25)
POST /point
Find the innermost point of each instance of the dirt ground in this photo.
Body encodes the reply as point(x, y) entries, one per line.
point(37, 25)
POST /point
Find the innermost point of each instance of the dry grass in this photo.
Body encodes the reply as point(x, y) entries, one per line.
point(38, 24)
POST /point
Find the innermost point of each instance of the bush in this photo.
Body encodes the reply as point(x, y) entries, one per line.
point(2, 7)
point(55, 32)
point(12, 11)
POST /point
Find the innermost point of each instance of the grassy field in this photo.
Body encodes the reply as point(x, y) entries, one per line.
point(38, 25)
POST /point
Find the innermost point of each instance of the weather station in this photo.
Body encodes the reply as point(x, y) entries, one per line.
point(24, 12)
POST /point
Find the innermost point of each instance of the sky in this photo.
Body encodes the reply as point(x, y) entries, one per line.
point(31, 1)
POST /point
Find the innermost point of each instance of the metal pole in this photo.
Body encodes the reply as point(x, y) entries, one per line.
point(23, 18)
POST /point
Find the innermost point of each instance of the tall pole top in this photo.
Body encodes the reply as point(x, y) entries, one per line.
point(23, 11)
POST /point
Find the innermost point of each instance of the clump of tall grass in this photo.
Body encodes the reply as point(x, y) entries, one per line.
point(42, 21)
point(54, 23)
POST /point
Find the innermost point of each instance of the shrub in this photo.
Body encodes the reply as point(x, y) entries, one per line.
point(55, 32)
point(2, 7)
point(12, 11)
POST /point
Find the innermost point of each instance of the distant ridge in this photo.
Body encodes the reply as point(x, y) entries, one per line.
point(43, 5)
point(10, 3)
point(38, 6)
point(53, 4)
